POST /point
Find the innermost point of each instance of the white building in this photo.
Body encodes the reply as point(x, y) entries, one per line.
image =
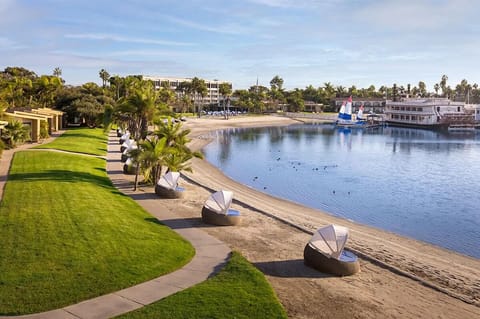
point(213, 95)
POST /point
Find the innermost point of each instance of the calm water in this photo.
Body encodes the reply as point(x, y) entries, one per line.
point(418, 183)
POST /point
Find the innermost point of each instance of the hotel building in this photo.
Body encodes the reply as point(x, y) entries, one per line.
point(213, 95)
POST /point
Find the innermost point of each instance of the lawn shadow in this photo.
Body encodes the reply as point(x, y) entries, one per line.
point(181, 223)
point(83, 135)
point(61, 176)
point(294, 268)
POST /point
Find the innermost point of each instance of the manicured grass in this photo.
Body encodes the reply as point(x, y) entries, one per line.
point(68, 235)
point(80, 140)
point(238, 291)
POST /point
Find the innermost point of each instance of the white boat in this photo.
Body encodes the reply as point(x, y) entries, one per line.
point(426, 113)
point(461, 128)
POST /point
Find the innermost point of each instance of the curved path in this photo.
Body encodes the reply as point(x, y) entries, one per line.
point(210, 253)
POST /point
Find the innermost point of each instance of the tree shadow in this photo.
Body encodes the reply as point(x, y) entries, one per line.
point(294, 268)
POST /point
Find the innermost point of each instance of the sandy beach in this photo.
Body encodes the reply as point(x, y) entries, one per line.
point(400, 277)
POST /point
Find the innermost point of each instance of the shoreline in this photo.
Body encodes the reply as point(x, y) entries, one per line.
point(447, 272)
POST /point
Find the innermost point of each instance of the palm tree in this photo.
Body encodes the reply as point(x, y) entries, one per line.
point(149, 158)
point(436, 87)
point(443, 84)
point(104, 75)
point(57, 72)
point(225, 90)
point(15, 132)
point(138, 108)
point(199, 88)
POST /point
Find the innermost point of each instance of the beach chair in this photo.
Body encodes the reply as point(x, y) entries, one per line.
point(216, 210)
point(124, 137)
point(325, 252)
point(167, 186)
point(129, 168)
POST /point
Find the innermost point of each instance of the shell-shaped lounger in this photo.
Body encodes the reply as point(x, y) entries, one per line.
point(125, 154)
point(128, 144)
point(325, 252)
point(124, 137)
point(167, 186)
point(129, 167)
point(216, 210)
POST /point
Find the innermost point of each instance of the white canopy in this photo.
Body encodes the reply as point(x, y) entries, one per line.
point(129, 148)
point(169, 180)
point(129, 143)
point(330, 240)
point(220, 201)
point(125, 136)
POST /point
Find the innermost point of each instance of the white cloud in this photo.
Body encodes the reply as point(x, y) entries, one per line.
point(225, 29)
point(417, 15)
point(116, 38)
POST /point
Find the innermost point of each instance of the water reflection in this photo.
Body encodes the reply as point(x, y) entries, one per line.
point(414, 182)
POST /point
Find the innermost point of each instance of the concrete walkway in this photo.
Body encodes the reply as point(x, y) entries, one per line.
point(210, 255)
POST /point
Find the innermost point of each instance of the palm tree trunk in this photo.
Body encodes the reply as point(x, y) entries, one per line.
point(137, 169)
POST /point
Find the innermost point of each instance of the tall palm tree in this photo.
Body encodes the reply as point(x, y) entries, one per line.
point(104, 75)
point(138, 108)
point(226, 91)
point(57, 72)
point(200, 90)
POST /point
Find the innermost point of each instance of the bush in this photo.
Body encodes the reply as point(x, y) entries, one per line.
point(2, 147)
point(44, 130)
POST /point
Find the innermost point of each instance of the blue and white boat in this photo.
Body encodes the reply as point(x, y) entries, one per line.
point(345, 115)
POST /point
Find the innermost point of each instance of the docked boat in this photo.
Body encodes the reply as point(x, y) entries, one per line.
point(345, 118)
point(461, 128)
point(429, 113)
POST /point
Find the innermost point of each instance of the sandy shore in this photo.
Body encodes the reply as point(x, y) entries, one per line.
point(399, 278)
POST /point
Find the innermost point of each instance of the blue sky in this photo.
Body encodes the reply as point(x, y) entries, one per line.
point(345, 42)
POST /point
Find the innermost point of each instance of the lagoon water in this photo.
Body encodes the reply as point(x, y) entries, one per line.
point(418, 183)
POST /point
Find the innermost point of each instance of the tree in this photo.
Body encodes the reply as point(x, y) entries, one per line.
point(89, 108)
point(139, 108)
point(422, 88)
point(15, 132)
point(104, 75)
point(276, 91)
point(295, 101)
point(200, 90)
point(149, 158)
point(57, 72)
point(276, 83)
point(436, 87)
point(443, 85)
point(225, 90)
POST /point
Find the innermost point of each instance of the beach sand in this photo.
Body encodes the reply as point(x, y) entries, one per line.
point(399, 278)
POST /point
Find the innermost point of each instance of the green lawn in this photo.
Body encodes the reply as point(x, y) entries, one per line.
point(238, 291)
point(68, 235)
point(80, 140)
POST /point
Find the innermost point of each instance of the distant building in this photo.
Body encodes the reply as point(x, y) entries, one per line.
point(213, 95)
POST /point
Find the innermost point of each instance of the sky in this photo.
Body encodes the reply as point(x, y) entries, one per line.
point(305, 42)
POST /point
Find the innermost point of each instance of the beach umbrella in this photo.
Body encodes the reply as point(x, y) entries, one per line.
point(220, 201)
point(330, 240)
point(169, 180)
